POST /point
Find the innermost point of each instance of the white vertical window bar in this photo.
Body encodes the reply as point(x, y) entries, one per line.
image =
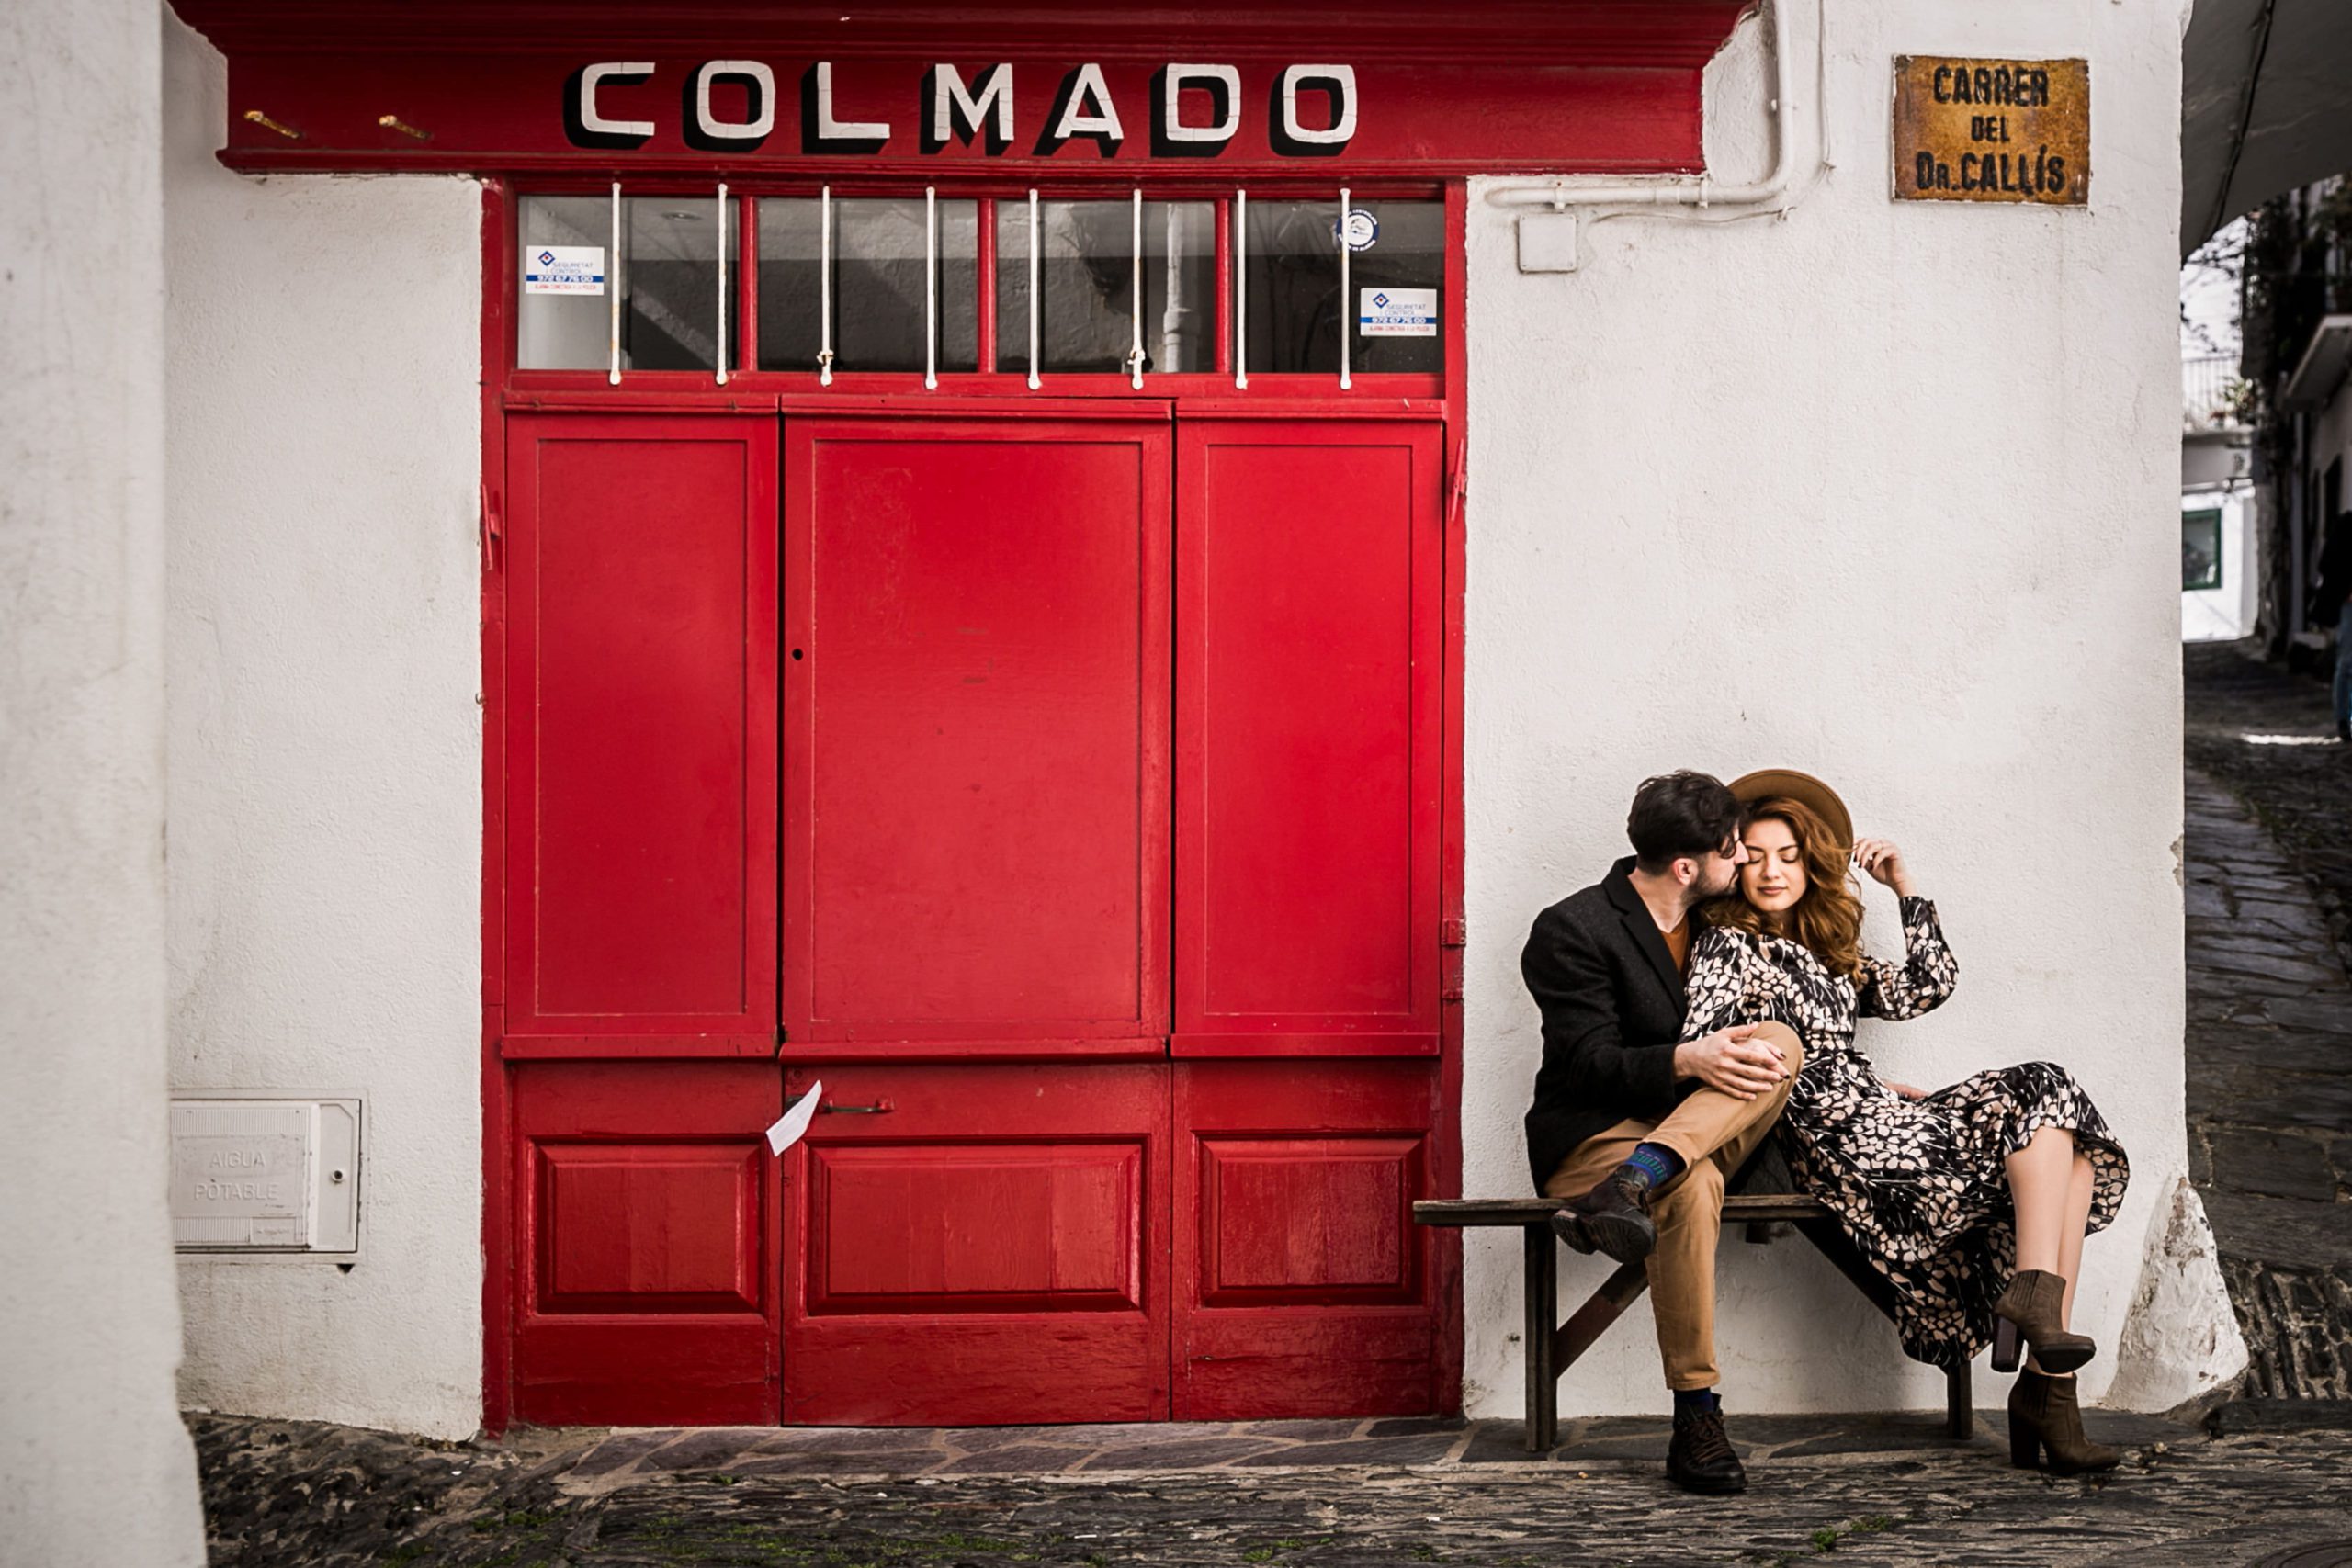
point(1347, 302)
point(1035, 247)
point(1135, 354)
point(723, 283)
point(1241, 248)
point(1175, 316)
point(613, 282)
point(930, 288)
point(825, 286)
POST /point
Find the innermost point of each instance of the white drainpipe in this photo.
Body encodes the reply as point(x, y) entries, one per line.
point(1715, 202)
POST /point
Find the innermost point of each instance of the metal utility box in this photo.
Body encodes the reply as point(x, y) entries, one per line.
point(266, 1174)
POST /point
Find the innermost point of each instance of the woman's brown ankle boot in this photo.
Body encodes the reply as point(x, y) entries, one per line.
point(2043, 1417)
point(2028, 1310)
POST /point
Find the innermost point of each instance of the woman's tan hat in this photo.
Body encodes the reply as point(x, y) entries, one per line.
point(1804, 788)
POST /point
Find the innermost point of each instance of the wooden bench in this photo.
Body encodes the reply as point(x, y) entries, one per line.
point(1552, 1346)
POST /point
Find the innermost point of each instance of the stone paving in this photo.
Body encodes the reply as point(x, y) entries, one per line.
point(1890, 1490)
point(2266, 1479)
point(2268, 858)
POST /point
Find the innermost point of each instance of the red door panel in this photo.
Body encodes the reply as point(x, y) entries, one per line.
point(975, 701)
point(978, 1244)
point(640, 744)
point(1307, 742)
point(917, 1228)
point(631, 1227)
point(645, 1217)
point(1302, 1287)
point(1306, 1222)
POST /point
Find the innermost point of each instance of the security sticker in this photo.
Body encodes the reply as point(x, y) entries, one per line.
point(563, 269)
point(1396, 312)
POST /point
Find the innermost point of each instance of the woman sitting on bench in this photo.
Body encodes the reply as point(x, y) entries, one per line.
point(1951, 1195)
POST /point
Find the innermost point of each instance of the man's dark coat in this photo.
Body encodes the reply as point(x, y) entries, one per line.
point(1612, 1003)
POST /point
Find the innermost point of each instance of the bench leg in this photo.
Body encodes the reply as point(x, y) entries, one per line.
point(1542, 1284)
point(1604, 1307)
point(1960, 1410)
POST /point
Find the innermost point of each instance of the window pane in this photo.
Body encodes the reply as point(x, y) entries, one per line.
point(788, 292)
point(569, 330)
point(670, 273)
point(1086, 270)
point(669, 278)
point(1294, 306)
point(878, 284)
point(2201, 550)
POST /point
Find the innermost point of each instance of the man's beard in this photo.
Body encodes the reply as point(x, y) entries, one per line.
point(1700, 892)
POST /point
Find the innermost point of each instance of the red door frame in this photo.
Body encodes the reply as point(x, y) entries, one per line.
point(503, 387)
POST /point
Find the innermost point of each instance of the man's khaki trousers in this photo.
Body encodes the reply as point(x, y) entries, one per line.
point(1714, 1132)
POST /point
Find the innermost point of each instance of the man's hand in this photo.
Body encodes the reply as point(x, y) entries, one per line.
point(1731, 1061)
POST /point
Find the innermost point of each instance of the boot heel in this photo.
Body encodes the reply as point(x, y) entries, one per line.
point(2005, 1344)
point(2025, 1446)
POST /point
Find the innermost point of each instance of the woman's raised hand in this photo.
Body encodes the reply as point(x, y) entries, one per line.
point(1883, 863)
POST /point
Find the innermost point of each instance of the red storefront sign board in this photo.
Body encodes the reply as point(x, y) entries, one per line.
point(1604, 86)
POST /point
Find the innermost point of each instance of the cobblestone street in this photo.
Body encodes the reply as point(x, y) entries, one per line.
point(1890, 1491)
point(2269, 878)
point(2266, 1478)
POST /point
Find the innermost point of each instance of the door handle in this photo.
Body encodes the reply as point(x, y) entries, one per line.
point(879, 1107)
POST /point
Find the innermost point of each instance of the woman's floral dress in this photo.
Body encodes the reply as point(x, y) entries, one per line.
point(1919, 1184)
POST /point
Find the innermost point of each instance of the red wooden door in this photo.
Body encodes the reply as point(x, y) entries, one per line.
point(999, 651)
point(975, 737)
point(978, 1243)
point(1308, 764)
point(1308, 748)
point(640, 759)
point(639, 917)
point(976, 917)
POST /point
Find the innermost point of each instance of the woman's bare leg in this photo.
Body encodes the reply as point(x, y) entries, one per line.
point(2070, 1240)
point(2040, 1176)
point(2041, 1179)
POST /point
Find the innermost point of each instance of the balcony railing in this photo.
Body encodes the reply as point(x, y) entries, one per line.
point(2209, 385)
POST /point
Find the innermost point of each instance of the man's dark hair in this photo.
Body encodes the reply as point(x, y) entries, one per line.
point(1681, 814)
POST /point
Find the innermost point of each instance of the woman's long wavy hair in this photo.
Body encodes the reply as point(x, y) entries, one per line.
point(1828, 918)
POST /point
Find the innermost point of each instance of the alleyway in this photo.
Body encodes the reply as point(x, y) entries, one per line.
point(2269, 867)
point(2266, 1479)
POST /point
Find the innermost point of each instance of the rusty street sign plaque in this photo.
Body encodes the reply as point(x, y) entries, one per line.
point(1991, 130)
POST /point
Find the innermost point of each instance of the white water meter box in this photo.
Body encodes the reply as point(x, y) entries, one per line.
point(266, 1173)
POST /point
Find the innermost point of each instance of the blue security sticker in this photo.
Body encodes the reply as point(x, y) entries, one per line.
point(1396, 312)
point(563, 269)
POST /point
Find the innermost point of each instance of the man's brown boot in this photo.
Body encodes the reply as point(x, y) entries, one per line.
point(1614, 1218)
point(2043, 1417)
point(1700, 1458)
point(2028, 1310)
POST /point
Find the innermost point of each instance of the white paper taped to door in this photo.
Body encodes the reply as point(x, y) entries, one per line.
point(788, 1127)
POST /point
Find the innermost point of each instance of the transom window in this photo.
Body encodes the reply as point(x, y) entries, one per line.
point(1033, 286)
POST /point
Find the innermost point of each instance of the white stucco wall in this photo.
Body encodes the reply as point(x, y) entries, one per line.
point(1871, 491)
point(323, 434)
point(95, 1469)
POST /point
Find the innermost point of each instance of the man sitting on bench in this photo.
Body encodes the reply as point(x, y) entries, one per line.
point(1640, 1132)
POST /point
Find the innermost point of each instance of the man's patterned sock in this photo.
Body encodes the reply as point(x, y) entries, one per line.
point(1652, 1164)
